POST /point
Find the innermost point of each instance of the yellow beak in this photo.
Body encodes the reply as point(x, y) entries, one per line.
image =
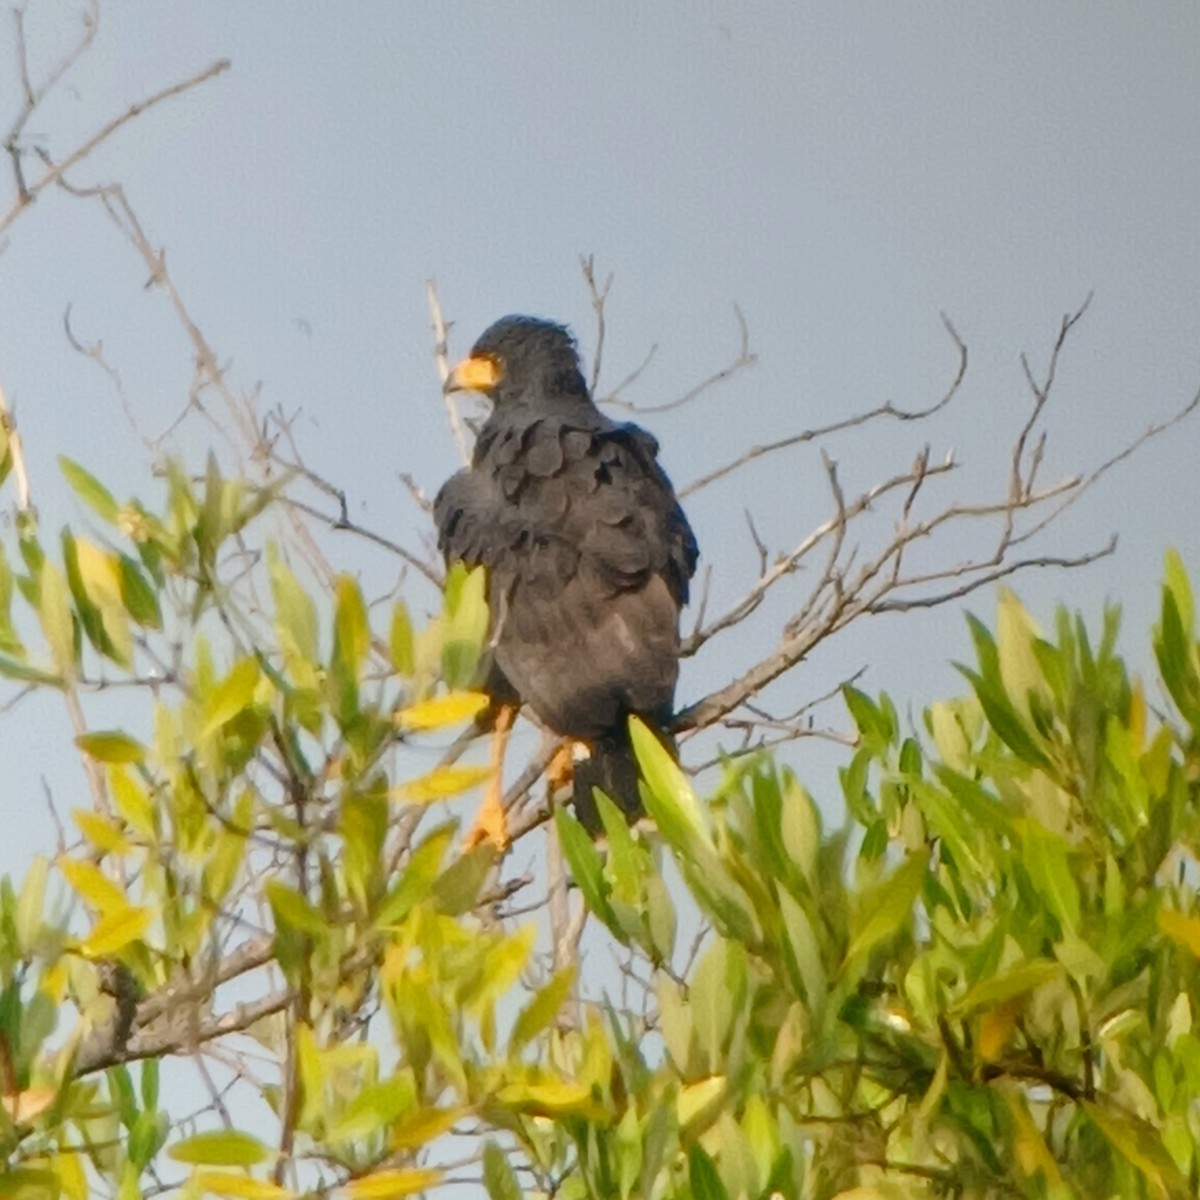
point(473, 375)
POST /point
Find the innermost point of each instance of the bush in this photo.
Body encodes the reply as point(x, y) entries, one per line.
point(980, 985)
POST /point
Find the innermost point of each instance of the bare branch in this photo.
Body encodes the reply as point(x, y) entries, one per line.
point(598, 297)
point(808, 435)
point(990, 577)
point(32, 95)
point(853, 584)
point(441, 355)
point(786, 564)
point(1152, 432)
point(95, 352)
point(56, 171)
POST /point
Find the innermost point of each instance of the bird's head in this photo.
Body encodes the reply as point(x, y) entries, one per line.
point(520, 359)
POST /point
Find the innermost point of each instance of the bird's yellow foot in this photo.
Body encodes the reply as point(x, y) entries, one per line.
point(491, 822)
point(560, 771)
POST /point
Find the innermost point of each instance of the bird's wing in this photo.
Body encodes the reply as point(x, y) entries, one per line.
point(633, 526)
point(469, 513)
point(553, 495)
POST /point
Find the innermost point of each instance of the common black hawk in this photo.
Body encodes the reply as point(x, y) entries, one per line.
point(588, 557)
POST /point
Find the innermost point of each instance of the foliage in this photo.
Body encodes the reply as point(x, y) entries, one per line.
point(980, 985)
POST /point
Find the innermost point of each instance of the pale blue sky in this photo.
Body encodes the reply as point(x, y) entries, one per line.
point(843, 171)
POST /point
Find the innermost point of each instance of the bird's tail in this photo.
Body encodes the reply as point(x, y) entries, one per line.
point(613, 769)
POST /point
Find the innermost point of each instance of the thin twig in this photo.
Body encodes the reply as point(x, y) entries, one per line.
point(441, 355)
point(56, 170)
point(598, 296)
point(808, 435)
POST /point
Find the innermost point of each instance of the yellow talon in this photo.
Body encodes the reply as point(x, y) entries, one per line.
point(491, 821)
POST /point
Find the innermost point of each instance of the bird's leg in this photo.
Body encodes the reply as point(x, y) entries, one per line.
point(491, 821)
point(560, 771)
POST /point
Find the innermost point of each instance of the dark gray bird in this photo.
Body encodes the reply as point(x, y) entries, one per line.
point(588, 555)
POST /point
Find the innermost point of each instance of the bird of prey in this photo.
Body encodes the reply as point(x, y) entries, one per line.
point(588, 557)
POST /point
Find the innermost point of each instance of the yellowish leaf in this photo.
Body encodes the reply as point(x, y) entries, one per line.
point(220, 1148)
point(451, 709)
point(226, 1183)
point(92, 885)
point(549, 1097)
point(440, 783)
point(100, 573)
point(1031, 1150)
point(111, 746)
point(235, 694)
point(1141, 1144)
point(69, 1168)
point(413, 1132)
point(389, 1185)
point(56, 978)
point(1137, 716)
point(100, 831)
point(131, 800)
point(995, 1028)
point(1180, 928)
point(697, 1098)
point(54, 613)
point(116, 931)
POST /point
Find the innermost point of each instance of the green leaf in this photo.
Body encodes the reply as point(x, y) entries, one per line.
point(351, 634)
point(542, 1009)
point(234, 695)
point(376, 1105)
point(120, 1087)
point(717, 998)
point(457, 888)
point(140, 599)
point(466, 624)
point(11, 669)
point(670, 799)
point(150, 1084)
point(1174, 649)
point(10, 643)
point(417, 880)
point(292, 909)
point(498, 1176)
point(401, 641)
point(30, 905)
point(89, 489)
point(147, 1137)
point(54, 614)
point(1008, 985)
point(1140, 1144)
point(295, 613)
point(871, 720)
point(29, 1183)
point(948, 820)
point(1050, 872)
point(1176, 582)
point(220, 1148)
point(587, 869)
point(804, 951)
point(1016, 636)
point(888, 905)
point(702, 1174)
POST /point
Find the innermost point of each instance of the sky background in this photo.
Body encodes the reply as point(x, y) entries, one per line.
point(844, 172)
